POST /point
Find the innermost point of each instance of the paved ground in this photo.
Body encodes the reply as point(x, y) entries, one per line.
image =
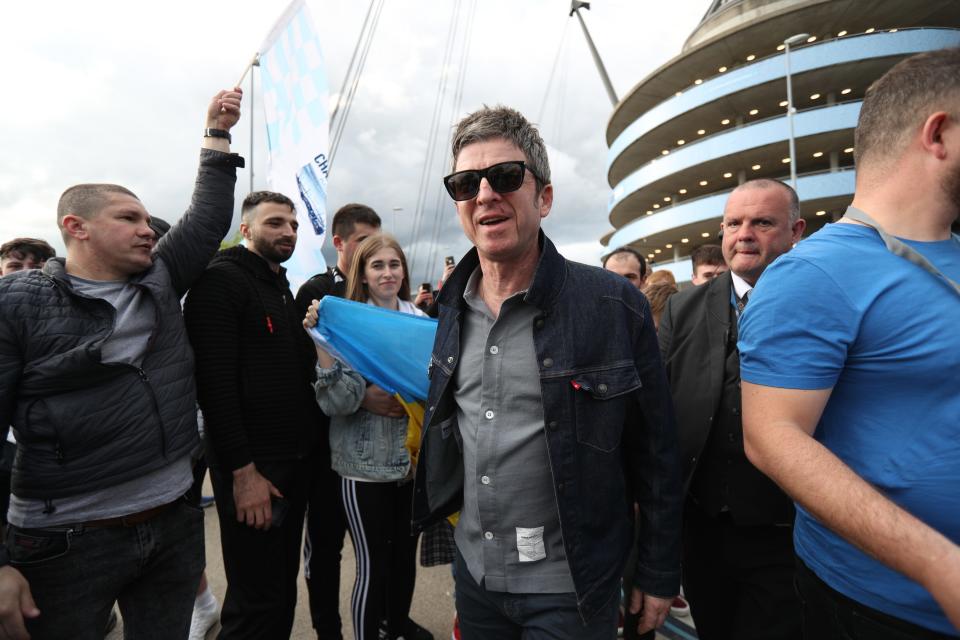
point(432, 601)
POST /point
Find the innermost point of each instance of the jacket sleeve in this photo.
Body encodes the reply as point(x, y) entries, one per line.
point(195, 238)
point(655, 467)
point(11, 367)
point(339, 390)
point(213, 313)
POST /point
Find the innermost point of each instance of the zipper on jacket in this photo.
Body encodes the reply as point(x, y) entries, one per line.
point(156, 407)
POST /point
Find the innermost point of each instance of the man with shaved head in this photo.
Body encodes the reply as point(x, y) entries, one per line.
point(737, 546)
point(96, 377)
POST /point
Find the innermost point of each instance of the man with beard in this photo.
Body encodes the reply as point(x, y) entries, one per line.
point(254, 368)
point(850, 353)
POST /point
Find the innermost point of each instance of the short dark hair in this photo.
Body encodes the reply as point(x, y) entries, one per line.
point(257, 197)
point(630, 251)
point(350, 215)
point(902, 98)
point(711, 254)
point(23, 247)
point(86, 200)
point(770, 183)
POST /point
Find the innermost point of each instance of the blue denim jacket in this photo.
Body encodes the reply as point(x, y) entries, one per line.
point(362, 444)
point(608, 421)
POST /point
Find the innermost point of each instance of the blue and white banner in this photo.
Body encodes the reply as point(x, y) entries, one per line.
point(295, 100)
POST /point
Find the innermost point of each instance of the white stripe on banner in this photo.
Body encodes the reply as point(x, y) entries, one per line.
point(295, 96)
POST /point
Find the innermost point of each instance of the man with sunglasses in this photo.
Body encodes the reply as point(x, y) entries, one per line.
point(541, 430)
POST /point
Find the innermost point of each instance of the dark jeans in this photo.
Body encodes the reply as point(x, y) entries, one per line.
point(491, 615)
point(322, 548)
point(76, 574)
point(261, 566)
point(739, 579)
point(830, 615)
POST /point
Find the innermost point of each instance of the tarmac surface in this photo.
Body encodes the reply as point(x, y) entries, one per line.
point(432, 601)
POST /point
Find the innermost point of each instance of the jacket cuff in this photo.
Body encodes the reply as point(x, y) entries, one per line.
point(328, 377)
point(214, 158)
point(663, 584)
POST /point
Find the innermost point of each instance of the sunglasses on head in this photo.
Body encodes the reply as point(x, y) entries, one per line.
point(503, 177)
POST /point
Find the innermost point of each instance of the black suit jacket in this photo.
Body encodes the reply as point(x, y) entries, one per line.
point(695, 329)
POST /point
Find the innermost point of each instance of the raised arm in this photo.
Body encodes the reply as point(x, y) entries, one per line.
point(778, 426)
point(192, 242)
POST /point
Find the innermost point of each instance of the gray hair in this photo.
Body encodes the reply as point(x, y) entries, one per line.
point(770, 183)
point(509, 124)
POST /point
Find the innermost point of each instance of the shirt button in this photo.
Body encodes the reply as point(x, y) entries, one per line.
point(489, 415)
point(485, 479)
point(488, 535)
point(494, 349)
point(539, 323)
point(552, 425)
point(547, 363)
point(560, 488)
point(449, 359)
point(601, 388)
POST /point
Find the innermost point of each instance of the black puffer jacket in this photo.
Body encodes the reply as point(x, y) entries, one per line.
point(82, 425)
point(255, 363)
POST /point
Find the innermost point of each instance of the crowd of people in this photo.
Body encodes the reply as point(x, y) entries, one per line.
point(780, 437)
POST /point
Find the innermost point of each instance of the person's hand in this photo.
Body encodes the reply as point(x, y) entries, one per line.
point(378, 401)
point(653, 610)
point(313, 315)
point(251, 495)
point(424, 299)
point(16, 603)
point(224, 109)
point(447, 270)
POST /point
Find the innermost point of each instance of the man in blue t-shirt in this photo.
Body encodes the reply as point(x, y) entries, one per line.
point(849, 359)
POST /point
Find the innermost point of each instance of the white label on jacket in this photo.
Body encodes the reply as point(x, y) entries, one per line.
point(530, 544)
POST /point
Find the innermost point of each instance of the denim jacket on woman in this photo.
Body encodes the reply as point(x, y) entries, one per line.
point(608, 423)
point(363, 445)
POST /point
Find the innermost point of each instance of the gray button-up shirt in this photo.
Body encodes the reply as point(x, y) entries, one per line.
point(509, 527)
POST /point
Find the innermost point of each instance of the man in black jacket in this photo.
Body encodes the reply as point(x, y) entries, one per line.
point(254, 368)
point(96, 377)
point(737, 530)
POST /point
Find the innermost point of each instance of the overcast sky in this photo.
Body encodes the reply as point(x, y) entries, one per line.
point(109, 91)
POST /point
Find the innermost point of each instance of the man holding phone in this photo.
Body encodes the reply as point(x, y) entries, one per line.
point(254, 369)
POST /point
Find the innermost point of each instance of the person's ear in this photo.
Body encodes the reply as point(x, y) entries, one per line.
point(75, 226)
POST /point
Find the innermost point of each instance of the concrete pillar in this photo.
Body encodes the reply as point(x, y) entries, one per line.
point(676, 252)
point(741, 176)
point(834, 161)
point(831, 98)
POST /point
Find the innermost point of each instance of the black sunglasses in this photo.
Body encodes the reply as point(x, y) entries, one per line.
point(503, 177)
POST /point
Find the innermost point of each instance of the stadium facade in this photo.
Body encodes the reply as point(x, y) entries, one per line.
point(715, 115)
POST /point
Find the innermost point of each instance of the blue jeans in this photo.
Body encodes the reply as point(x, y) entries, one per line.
point(76, 574)
point(491, 615)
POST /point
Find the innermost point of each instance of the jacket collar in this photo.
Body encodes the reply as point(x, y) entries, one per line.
point(548, 279)
point(253, 263)
point(718, 298)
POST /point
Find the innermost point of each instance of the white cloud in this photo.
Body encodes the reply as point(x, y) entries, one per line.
point(115, 91)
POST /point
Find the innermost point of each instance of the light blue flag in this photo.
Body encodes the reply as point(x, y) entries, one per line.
point(295, 97)
point(389, 348)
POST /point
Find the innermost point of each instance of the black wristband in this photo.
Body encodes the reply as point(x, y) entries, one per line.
point(217, 133)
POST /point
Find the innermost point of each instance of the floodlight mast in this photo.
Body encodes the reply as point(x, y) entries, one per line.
point(575, 7)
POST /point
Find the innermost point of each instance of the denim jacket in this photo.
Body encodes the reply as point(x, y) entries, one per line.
point(362, 444)
point(608, 422)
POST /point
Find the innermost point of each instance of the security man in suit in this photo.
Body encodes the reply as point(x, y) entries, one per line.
point(737, 534)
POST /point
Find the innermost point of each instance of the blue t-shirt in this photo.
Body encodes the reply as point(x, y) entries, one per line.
point(840, 311)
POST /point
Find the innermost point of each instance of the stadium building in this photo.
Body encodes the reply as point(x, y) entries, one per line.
point(716, 115)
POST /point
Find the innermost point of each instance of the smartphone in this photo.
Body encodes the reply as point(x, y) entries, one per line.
point(278, 508)
point(449, 261)
point(426, 287)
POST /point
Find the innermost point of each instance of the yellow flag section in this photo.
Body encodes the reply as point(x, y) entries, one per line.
point(414, 430)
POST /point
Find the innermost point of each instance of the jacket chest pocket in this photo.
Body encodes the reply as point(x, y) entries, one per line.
point(601, 400)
